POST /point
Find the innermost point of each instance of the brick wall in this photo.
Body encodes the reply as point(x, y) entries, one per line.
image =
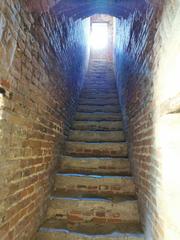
point(41, 73)
point(133, 66)
point(146, 55)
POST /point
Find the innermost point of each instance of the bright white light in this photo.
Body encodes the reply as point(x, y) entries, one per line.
point(99, 35)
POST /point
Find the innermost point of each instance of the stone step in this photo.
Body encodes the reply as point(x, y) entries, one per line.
point(89, 212)
point(104, 79)
point(103, 149)
point(64, 234)
point(96, 136)
point(103, 76)
point(99, 101)
point(82, 185)
point(100, 85)
point(97, 125)
point(99, 89)
point(98, 116)
point(99, 95)
point(93, 165)
point(97, 108)
point(92, 102)
point(100, 82)
point(101, 72)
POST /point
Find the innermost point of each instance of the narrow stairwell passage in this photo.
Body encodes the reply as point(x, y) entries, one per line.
point(94, 195)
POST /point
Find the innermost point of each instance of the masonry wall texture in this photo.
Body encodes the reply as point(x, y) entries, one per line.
point(43, 61)
point(148, 88)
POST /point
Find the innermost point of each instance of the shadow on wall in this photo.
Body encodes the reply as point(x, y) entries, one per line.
point(124, 72)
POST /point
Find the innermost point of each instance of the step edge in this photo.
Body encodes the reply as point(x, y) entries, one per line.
point(100, 113)
point(97, 158)
point(79, 199)
point(96, 120)
point(93, 199)
point(94, 176)
point(99, 131)
point(101, 142)
point(111, 235)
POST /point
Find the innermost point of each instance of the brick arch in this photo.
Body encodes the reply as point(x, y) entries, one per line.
point(82, 9)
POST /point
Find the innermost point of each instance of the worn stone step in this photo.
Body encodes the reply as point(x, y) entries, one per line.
point(100, 92)
point(97, 125)
point(96, 136)
point(99, 86)
point(100, 225)
point(99, 89)
point(100, 82)
point(82, 185)
point(99, 100)
point(101, 73)
point(104, 71)
point(98, 116)
point(64, 234)
point(103, 76)
point(95, 79)
point(103, 149)
point(93, 165)
point(99, 95)
point(86, 101)
point(91, 211)
point(97, 108)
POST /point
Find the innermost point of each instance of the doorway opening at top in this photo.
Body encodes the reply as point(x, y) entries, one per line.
point(99, 35)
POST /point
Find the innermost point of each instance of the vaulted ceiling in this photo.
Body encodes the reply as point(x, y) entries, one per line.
point(84, 8)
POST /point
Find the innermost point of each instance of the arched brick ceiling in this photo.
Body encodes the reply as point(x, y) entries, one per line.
point(84, 8)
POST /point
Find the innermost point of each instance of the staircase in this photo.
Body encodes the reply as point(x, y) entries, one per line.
point(94, 195)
